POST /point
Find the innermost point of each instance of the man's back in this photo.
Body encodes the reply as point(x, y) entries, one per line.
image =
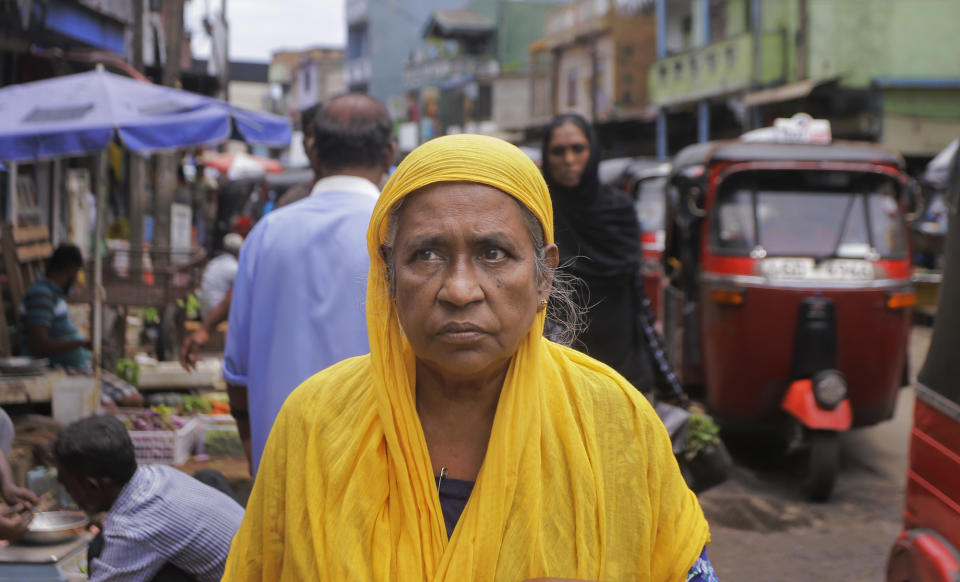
point(298, 300)
point(164, 516)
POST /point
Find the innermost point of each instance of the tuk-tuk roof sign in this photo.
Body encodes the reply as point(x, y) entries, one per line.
point(801, 128)
point(738, 150)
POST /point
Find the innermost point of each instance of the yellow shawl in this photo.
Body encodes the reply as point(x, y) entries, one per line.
point(578, 481)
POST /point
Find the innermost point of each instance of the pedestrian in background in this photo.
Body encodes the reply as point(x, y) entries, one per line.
point(215, 296)
point(47, 331)
point(298, 297)
point(219, 274)
point(161, 524)
point(15, 518)
point(302, 190)
point(598, 236)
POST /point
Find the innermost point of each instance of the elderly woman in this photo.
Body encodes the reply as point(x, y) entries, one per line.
point(466, 446)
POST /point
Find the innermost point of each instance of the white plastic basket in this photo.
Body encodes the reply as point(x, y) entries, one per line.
point(164, 446)
point(207, 424)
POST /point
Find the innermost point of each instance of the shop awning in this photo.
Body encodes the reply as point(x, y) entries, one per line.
point(458, 24)
point(797, 90)
point(80, 114)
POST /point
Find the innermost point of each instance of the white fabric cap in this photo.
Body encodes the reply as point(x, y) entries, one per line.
point(232, 242)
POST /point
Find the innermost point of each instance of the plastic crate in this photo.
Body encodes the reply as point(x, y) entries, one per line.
point(164, 446)
point(217, 436)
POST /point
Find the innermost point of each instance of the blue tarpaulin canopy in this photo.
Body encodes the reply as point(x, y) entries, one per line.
point(79, 114)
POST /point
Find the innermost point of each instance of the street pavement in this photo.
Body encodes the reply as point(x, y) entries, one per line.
point(764, 529)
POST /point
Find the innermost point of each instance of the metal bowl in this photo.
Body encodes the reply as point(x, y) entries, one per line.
point(53, 527)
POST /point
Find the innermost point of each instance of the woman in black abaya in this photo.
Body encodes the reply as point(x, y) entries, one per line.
point(598, 236)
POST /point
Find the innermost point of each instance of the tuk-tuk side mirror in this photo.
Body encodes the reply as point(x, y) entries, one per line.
point(695, 201)
point(914, 199)
point(690, 190)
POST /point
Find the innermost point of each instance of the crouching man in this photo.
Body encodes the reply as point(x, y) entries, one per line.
point(161, 524)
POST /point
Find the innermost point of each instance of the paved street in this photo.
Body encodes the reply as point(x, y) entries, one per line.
point(764, 529)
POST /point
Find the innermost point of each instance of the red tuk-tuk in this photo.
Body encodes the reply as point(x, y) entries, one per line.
point(928, 549)
point(647, 186)
point(789, 298)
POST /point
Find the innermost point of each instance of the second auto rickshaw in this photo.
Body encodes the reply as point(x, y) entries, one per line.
point(790, 293)
point(928, 548)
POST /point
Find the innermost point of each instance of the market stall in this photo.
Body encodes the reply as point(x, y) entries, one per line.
point(83, 114)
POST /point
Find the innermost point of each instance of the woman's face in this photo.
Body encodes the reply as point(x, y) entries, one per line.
point(567, 155)
point(465, 278)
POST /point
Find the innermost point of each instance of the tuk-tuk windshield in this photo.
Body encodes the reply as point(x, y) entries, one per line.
point(811, 213)
point(651, 203)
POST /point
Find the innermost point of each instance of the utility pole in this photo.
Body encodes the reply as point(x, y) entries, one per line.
point(167, 163)
point(173, 31)
point(138, 164)
point(225, 73)
point(137, 52)
point(594, 81)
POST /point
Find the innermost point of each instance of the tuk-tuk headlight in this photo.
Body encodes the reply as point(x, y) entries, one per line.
point(829, 388)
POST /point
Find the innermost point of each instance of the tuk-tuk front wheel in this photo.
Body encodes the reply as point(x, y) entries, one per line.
point(824, 464)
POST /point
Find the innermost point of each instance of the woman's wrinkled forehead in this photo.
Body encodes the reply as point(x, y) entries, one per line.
point(464, 158)
point(401, 204)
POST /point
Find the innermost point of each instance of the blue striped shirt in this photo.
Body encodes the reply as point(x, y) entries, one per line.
point(164, 515)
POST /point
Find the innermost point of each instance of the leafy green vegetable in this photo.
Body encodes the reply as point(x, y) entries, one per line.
point(191, 305)
point(128, 370)
point(151, 316)
point(196, 405)
point(702, 432)
point(222, 443)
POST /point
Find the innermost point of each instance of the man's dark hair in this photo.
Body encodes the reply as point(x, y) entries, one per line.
point(308, 117)
point(66, 256)
point(96, 446)
point(352, 131)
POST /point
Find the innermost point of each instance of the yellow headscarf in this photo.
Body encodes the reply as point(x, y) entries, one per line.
point(579, 479)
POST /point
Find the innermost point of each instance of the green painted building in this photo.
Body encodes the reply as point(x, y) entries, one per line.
point(470, 72)
point(882, 70)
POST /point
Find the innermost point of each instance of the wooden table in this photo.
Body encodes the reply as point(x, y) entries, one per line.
point(27, 389)
point(170, 376)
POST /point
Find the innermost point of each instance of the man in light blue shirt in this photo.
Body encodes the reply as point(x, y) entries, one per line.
point(298, 297)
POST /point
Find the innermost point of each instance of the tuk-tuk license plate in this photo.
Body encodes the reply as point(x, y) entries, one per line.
point(805, 269)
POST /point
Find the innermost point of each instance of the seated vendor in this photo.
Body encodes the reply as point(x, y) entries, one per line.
point(46, 330)
point(161, 523)
point(15, 518)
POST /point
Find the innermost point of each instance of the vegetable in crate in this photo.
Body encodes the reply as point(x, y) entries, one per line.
point(220, 408)
point(157, 418)
point(171, 399)
point(128, 370)
point(196, 405)
point(222, 443)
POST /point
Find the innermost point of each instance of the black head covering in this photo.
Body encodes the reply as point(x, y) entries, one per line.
point(594, 224)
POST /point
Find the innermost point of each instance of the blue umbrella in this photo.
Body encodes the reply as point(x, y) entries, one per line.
point(79, 114)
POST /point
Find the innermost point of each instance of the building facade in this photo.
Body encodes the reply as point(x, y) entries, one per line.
point(249, 85)
point(471, 71)
point(732, 65)
point(593, 54)
point(304, 78)
point(380, 37)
